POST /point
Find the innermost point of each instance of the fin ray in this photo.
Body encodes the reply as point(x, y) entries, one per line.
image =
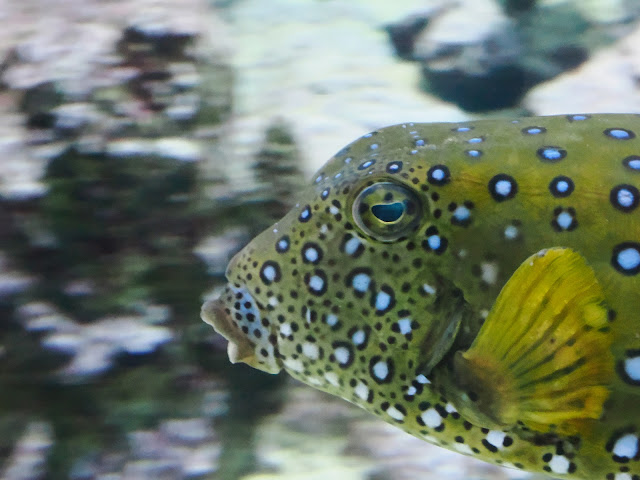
point(546, 363)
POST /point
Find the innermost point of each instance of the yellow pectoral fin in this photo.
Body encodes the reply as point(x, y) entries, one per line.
point(543, 356)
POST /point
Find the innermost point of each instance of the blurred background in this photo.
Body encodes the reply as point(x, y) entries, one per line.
point(143, 142)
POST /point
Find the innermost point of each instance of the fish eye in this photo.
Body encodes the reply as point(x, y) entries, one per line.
point(387, 211)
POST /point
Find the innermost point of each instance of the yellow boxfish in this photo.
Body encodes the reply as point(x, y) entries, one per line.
point(476, 284)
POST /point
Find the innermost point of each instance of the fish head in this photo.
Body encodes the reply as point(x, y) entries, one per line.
point(341, 282)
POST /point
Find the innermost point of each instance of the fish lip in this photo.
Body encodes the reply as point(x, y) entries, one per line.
point(213, 312)
point(245, 345)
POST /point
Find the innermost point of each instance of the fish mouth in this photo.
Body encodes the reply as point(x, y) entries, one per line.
point(235, 315)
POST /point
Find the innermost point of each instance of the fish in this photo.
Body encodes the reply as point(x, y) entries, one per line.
point(476, 284)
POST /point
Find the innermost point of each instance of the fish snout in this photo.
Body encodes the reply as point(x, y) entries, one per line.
point(235, 316)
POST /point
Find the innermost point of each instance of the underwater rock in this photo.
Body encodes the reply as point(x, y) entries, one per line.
point(326, 69)
point(485, 55)
point(101, 73)
point(399, 456)
point(92, 347)
point(517, 7)
point(20, 178)
point(217, 250)
point(597, 86)
point(607, 11)
point(316, 436)
point(112, 121)
point(308, 439)
point(469, 55)
point(180, 448)
point(28, 458)
point(12, 281)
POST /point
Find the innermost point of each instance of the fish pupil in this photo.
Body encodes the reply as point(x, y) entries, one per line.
point(388, 213)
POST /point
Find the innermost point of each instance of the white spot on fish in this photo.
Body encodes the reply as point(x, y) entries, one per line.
point(404, 325)
point(269, 273)
point(293, 364)
point(434, 242)
point(489, 272)
point(361, 282)
point(362, 391)
point(632, 368)
point(559, 464)
point(633, 163)
point(316, 283)
point(562, 186)
point(383, 300)
point(428, 289)
point(396, 414)
point(626, 446)
point(311, 254)
point(503, 188)
point(342, 354)
point(625, 197)
point(422, 379)
point(564, 220)
point(463, 448)
point(285, 329)
point(310, 350)
point(629, 258)
point(511, 232)
point(351, 246)
point(381, 370)
point(332, 378)
point(359, 337)
point(283, 244)
point(496, 438)
point(431, 418)
point(331, 320)
point(438, 174)
point(461, 213)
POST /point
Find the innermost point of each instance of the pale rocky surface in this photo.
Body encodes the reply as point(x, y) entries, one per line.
point(601, 11)
point(607, 83)
point(76, 65)
point(319, 437)
point(399, 456)
point(458, 25)
point(177, 449)
point(93, 347)
point(27, 460)
point(12, 281)
point(327, 69)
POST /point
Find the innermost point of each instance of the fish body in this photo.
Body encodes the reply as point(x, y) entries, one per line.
point(476, 284)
